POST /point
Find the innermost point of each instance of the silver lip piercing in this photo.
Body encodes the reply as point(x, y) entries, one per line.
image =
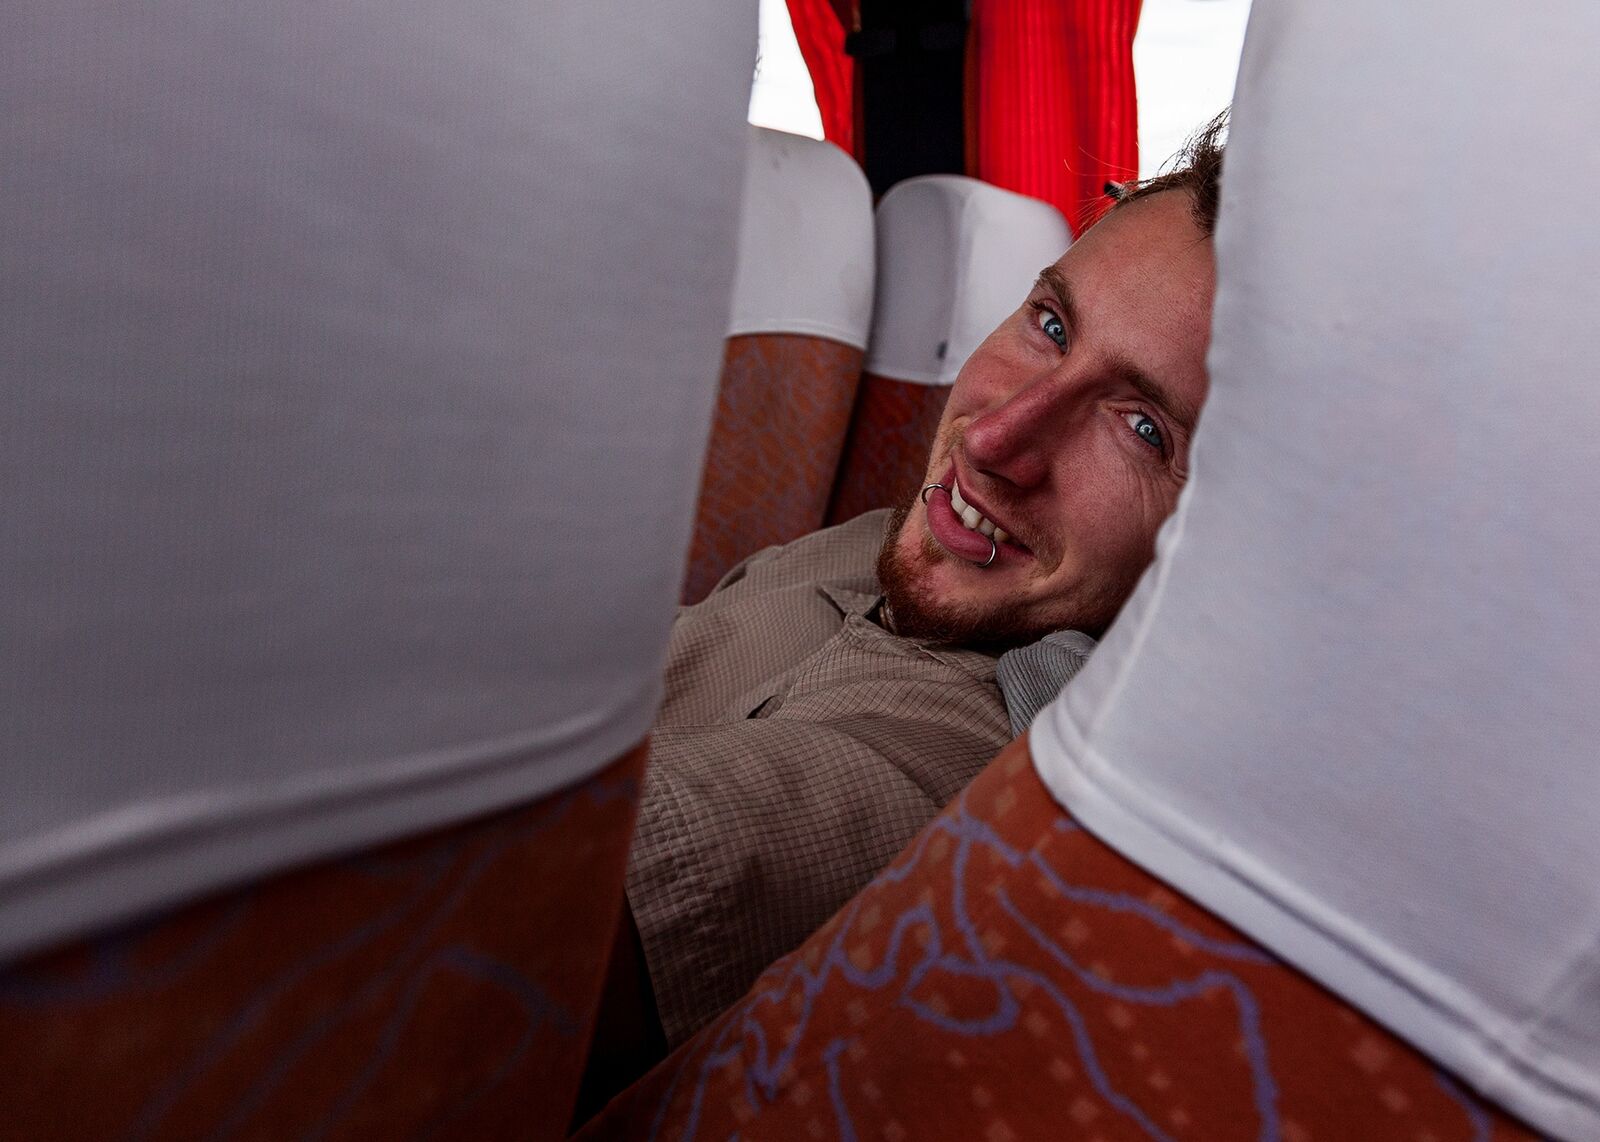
point(994, 548)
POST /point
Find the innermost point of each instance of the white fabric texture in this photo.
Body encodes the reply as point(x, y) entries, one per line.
point(358, 370)
point(805, 242)
point(1352, 706)
point(955, 257)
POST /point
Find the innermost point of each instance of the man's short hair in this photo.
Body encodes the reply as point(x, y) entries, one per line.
point(1196, 169)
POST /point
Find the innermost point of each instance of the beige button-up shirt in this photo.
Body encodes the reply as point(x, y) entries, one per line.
point(799, 748)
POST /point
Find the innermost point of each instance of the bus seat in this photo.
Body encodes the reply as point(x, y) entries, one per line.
point(349, 455)
point(802, 303)
point(1309, 849)
point(442, 986)
point(1010, 977)
point(1351, 708)
point(955, 256)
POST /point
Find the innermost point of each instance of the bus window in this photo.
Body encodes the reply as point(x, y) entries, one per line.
point(1185, 57)
point(782, 96)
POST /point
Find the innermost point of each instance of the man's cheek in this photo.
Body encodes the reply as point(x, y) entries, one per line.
point(1158, 503)
point(1126, 511)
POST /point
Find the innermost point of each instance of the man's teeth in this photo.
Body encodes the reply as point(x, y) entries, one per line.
point(969, 516)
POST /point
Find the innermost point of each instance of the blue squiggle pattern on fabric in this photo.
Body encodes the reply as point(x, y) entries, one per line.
point(961, 952)
point(830, 1059)
point(257, 1007)
point(1264, 1088)
point(112, 973)
point(538, 1008)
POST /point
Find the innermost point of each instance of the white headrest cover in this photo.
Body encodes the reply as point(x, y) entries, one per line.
point(805, 244)
point(1353, 706)
point(955, 257)
point(358, 368)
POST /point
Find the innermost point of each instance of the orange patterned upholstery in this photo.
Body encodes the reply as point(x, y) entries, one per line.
point(887, 450)
point(441, 987)
point(781, 418)
point(1010, 977)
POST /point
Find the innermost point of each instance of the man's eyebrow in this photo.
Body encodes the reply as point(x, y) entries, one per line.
point(1055, 283)
point(1179, 411)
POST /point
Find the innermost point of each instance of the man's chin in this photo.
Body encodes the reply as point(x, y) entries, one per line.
point(907, 571)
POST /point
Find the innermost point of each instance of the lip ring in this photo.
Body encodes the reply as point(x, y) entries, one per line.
point(994, 548)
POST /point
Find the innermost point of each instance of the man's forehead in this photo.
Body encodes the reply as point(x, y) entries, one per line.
point(1145, 235)
point(1139, 283)
point(1151, 249)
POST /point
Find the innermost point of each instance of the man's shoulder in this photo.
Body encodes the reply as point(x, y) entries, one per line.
point(736, 648)
point(845, 555)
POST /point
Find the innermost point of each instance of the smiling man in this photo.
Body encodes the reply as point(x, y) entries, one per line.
point(1065, 441)
point(833, 694)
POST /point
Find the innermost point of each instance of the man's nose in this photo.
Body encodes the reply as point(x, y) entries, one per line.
point(1015, 439)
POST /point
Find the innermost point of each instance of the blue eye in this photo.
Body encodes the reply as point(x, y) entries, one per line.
point(1145, 429)
point(1051, 324)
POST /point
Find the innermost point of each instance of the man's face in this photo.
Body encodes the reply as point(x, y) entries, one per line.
point(1068, 429)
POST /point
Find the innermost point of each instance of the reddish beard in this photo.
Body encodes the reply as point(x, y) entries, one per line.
point(913, 611)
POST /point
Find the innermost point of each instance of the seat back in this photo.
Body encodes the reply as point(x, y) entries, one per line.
point(802, 301)
point(955, 257)
point(1009, 975)
point(1351, 708)
point(349, 453)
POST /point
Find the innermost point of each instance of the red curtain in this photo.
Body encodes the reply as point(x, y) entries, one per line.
point(1052, 111)
point(820, 27)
